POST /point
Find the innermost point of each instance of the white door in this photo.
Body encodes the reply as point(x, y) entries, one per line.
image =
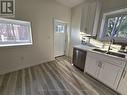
point(91, 66)
point(59, 38)
point(109, 74)
point(123, 84)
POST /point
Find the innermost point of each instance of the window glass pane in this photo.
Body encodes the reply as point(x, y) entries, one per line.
point(110, 26)
point(117, 26)
point(21, 33)
point(60, 28)
point(6, 32)
point(14, 32)
point(123, 28)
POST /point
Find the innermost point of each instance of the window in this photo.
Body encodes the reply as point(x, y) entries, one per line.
point(60, 28)
point(114, 26)
point(117, 26)
point(15, 32)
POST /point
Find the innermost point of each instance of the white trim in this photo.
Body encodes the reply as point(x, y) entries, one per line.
point(13, 20)
point(116, 12)
point(58, 20)
point(20, 44)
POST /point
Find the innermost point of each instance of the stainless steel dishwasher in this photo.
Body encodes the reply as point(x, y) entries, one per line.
point(79, 58)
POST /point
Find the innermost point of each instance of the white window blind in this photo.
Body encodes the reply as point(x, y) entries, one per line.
point(15, 32)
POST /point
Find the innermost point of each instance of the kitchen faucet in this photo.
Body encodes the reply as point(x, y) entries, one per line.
point(111, 42)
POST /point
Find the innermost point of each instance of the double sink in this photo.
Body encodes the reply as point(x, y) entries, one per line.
point(110, 53)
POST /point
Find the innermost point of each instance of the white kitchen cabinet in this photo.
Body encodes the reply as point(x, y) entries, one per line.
point(91, 66)
point(90, 17)
point(122, 88)
point(110, 73)
point(104, 68)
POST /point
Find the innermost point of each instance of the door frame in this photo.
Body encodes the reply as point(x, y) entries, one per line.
point(67, 36)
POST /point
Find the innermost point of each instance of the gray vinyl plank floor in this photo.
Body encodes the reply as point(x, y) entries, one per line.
point(58, 77)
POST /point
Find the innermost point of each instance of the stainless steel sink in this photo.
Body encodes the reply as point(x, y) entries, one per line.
point(99, 50)
point(110, 53)
point(116, 54)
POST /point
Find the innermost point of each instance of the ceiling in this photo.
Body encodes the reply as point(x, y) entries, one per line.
point(70, 3)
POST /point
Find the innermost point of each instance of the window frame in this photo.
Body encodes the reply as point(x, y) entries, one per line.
point(12, 21)
point(104, 24)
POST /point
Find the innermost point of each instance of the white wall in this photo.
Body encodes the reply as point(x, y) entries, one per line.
point(40, 13)
point(75, 27)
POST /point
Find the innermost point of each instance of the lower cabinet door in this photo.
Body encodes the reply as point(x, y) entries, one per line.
point(122, 88)
point(91, 66)
point(110, 74)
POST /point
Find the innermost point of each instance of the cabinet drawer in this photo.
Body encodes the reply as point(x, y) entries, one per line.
point(94, 55)
point(105, 57)
point(114, 61)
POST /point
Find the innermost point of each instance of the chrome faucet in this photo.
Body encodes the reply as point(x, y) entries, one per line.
point(111, 42)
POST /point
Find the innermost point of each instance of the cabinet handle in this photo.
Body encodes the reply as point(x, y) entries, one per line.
point(124, 74)
point(100, 64)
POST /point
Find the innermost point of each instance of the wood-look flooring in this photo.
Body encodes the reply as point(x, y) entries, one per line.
point(58, 77)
